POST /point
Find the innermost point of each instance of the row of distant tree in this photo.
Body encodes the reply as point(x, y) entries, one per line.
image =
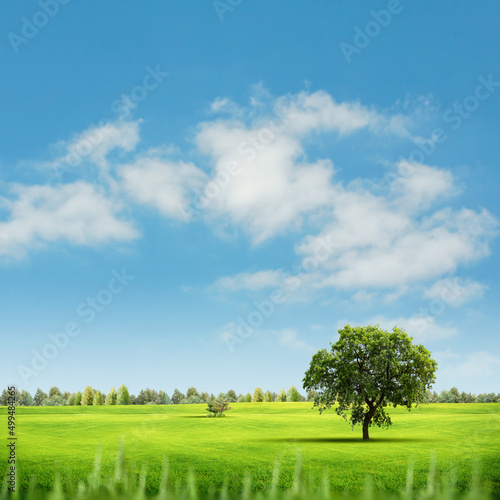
point(454, 396)
point(121, 396)
point(91, 396)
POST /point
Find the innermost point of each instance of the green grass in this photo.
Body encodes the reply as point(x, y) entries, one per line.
point(251, 439)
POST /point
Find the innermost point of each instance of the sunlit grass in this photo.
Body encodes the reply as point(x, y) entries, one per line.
point(455, 442)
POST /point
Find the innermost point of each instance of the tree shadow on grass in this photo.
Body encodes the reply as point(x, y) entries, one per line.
point(349, 440)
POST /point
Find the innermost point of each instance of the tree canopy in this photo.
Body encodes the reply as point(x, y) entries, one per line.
point(282, 396)
point(292, 394)
point(258, 395)
point(88, 396)
point(367, 369)
point(111, 397)
point(122, 396)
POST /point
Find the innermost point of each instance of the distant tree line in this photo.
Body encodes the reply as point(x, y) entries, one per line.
point(454, 396)
point(95, 397)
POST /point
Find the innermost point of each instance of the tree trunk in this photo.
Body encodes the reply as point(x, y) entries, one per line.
point(366, 423)
point(369, 416)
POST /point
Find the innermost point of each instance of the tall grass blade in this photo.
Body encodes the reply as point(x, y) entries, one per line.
point(95, 477)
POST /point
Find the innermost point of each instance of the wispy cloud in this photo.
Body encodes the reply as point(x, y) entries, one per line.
point(94, 145)
point(290, 339)
point(455, 291)
point(251, 281)
point(422, 328)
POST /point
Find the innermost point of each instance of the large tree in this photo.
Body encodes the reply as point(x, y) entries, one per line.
point(367, 369)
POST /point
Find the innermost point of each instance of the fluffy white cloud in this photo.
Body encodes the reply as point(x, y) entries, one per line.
point(259, 182)
point(379, 243)
point(372, 241)
point(262, 180)
point(383, 235)
point(163, 184)
point(77, 213)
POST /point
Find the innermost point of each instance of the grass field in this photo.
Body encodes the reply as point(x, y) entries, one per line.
point(249, 441)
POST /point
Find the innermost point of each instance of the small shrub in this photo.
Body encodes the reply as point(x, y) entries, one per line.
point(218, 406)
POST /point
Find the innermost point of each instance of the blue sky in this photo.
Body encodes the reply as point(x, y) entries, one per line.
point(203, 193)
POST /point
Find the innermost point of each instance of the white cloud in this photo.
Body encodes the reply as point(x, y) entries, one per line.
point(225, 105)
point(421, 185)
point(252, 281)
point(95, 144)
point(272, 189)
point(262, 180)
point(455, 291)
point(290, 339)
point(393, 242)
point(385, 236)
point(77, 213)
point(263, 183)
point(380, 244)
point(163, 184)
point(318, 111)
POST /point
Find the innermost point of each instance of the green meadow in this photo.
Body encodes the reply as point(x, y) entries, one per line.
point(455, 441)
